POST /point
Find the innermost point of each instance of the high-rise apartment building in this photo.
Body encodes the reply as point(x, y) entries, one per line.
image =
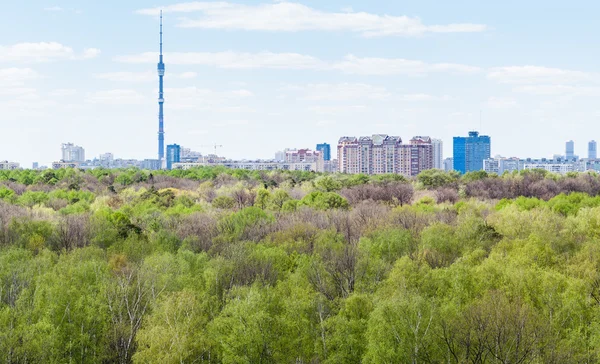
point(369, 155)
point(438, 153)
point(570, 150)
point(416, 156)
point(173, 155)
point(470, 152)
point(380, 154)
point(348, 155)
point(592, 150)
point(325, 148)
point(72, 153)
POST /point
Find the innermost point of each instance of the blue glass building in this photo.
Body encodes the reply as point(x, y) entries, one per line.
point(173, 155)
point(471, 151)
point(326, 150)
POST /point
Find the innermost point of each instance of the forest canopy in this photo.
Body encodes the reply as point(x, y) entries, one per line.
point(212, 265)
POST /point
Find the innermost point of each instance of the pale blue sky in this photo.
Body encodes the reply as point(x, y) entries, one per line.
point(257, 77)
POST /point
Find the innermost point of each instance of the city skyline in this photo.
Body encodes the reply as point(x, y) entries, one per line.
point(344, 68)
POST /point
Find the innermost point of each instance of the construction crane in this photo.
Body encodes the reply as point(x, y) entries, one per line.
point(212, 146)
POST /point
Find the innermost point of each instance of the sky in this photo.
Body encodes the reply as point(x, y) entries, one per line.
point(261, 76)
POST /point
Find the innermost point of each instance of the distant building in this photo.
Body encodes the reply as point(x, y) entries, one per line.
point(380, 154)
point(348, 155)
point(438, 153)
point(500, 165)
point(377, 154)
point(106, 157)
point(330, 166)
point(72, 153)
point(280, 155)
point(257, 165)
point(173, 155)
point(9, 166)
point(65, 164)
point(151, 164)
point(35, 165)
point(416, 156)
point(592, 150)
point(302, 155)
point(471, 151)
point(570, 150)
point(326, 150)
point(448, 164)
point(188, 155)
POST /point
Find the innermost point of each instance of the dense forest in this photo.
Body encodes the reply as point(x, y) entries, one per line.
point(214, 265)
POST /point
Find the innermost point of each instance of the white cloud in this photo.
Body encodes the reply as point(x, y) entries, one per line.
point(397, 66)
point(291, 17)
point(138, 77)
point(537, 75)
point(130, 77)
point(336, 110)
point(423, 97)
point(62, 92)
point(558, 90)
point(501, 102)
point(90, 53)
point(54, 8)
point(349, 64)
point(230, 60)
point(16, 76)
point(338, 92)
point(43, 52)
point(116, 97)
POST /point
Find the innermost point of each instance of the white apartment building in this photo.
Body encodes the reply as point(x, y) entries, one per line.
point(257, 165)
point(438, 153)
point(72, 153)
point(9, 166)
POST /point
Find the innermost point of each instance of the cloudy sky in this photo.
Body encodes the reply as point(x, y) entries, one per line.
point(261, 76)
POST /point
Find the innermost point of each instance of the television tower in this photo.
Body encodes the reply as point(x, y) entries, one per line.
point(161, 99)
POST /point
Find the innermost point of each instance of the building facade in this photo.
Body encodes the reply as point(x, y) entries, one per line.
point(416, 156)
point(500, 165)
point(377, 154)
point(448, 164)
point(257, 165)
point(302, 155)
point(9, 166)
point(63, 164)
point(381, 154)
point(470, 152)
point(173, 155)
point(348, 155)
point(570, 149)
point(325, 149)
point(438, 153)
point(72, 153)
point(592, 150)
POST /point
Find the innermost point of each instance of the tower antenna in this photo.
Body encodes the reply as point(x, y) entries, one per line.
point(161, 98)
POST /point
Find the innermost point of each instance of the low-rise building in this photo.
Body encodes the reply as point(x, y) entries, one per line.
point(9, 166)
point(499, 165)
point(257, 165)
point(65, 164)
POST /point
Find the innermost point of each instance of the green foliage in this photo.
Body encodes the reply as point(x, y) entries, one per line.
point(212, 265)
point(434, 178)
point(325, 201)
point(223, 202)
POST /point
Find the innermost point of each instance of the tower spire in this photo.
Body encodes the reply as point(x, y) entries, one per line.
point(161, 98)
